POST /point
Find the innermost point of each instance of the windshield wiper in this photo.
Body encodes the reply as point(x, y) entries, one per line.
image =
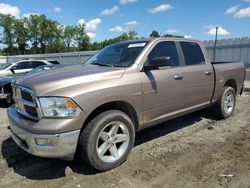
point(103, 64)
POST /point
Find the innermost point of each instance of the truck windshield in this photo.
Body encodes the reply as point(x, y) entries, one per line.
point(117, 55)
point(5, 66)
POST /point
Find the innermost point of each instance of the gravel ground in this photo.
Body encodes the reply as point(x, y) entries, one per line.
point(192, 151)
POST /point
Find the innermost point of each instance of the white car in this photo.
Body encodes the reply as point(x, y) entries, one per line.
point(22, 67)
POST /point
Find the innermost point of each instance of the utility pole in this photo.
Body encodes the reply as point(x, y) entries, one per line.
point(215, 42)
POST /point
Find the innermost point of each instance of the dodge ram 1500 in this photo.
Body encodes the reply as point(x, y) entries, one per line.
point(94, 109)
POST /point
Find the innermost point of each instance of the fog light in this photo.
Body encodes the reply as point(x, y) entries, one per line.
point(43, 142)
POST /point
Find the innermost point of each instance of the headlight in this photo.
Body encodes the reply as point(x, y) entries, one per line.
point(58, 107)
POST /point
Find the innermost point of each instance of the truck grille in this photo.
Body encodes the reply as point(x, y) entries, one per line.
point(26, 96)
point(25, 102)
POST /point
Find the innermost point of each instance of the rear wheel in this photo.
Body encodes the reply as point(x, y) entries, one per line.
point(107, 140)
point(225, 106)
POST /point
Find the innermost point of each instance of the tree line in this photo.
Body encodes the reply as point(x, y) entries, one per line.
point(37, 34)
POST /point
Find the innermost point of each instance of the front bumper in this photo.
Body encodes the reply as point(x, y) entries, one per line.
point(62, 145)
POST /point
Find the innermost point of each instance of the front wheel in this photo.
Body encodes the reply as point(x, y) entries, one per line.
point(107, 140)
point(225, 106)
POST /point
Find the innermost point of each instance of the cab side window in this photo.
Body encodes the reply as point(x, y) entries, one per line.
point(23, 65)
point(192, 53)
point(35, 64)
point(165, 49)
point(55, 62)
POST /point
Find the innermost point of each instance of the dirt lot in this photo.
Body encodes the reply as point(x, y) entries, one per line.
point(193, 151)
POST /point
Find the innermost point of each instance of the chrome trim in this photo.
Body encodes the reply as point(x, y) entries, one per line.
point(63, 145)
point(27, 115)
point(27, 103)
point(20, 102)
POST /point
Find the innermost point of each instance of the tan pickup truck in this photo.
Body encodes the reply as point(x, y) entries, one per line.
point(94, 109)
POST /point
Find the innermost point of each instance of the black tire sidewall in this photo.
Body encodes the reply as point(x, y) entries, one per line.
point(96, 126)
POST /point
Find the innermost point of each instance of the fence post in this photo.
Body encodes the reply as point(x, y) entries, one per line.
point(60, 57)
point(215, 43)
point(79, 58)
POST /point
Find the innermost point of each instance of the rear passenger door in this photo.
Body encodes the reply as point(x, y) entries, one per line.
point(198, 75)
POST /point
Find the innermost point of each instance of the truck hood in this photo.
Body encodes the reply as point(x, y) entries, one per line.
point(48, 83)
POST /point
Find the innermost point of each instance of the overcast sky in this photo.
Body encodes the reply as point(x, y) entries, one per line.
point(109, 18)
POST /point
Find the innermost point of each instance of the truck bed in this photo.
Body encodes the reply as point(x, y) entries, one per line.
point(228, 71)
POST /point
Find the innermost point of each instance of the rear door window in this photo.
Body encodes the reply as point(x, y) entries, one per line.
point(192, 53)
point(165, 49)
point(35, 64)
point(55, 62)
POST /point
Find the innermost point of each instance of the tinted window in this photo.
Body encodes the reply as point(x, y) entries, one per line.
point(54, 62)
point(192, 53)
point(5, 66)
point(35, 64)
point(23, 65)
point(165, 49)
point(118, 55)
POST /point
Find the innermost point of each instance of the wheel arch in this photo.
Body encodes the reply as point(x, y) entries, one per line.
point(123, 106)
point(232, 83)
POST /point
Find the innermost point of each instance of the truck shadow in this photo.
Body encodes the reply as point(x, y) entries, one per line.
point(4, 104)
point(37, 168)
point(165, 128)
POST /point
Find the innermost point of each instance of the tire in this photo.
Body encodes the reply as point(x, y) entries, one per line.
point(228, 97)
point(107, 140)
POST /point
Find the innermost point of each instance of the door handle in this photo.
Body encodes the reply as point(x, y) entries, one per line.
point(178, 77)
point(208, 72)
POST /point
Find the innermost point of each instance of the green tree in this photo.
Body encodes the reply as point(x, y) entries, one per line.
point(172, 36)
point(53, 40)
point(96, 46)
point(45, 35)
point(33, 23)
point(132, 35)
point(7, 22)
point(59, 39)
point(39, 34)
point(82, 38)
point(1, 52)
point(50, 34)
point(125, 36)
point(69, 36)
point(154, 34)
point(21, 33)
point(42, 34)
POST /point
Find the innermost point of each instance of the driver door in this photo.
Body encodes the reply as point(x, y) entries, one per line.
point(22, 67)
point(164, 90)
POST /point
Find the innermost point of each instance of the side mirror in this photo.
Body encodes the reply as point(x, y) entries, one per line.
point(157, 62)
